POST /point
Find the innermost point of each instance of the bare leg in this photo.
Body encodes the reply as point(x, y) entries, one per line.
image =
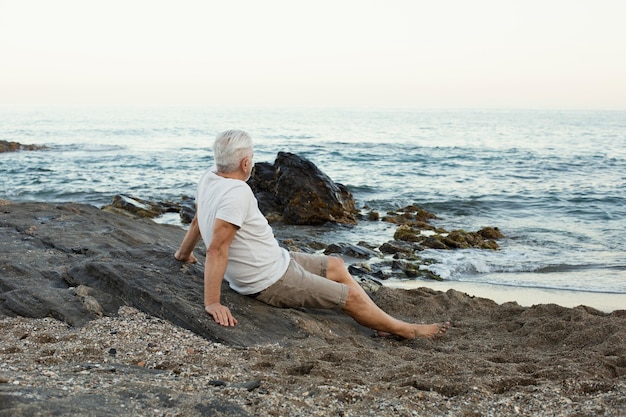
point(361, 308)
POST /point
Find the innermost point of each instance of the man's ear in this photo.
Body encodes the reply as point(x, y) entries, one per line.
point(245, 162)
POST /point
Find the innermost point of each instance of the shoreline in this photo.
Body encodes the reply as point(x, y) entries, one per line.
point(526, 297)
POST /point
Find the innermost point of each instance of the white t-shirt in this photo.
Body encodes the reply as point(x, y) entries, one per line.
point(255, 259)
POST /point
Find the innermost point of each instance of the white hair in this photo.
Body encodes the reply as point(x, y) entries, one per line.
point(230, 148)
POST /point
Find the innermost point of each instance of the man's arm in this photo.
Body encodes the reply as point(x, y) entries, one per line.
point(214, 269)
point(191, 239)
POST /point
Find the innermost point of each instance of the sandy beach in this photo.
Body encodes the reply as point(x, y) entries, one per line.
point(495, 361)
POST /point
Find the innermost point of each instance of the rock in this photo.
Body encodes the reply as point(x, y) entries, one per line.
point(460, 239)
point(367, 270)
point(414, 270)
point(6, 146)
point(490, 233)
point(456, 239)
point(135, 206)
point(373, 216)
point(301, 193)
point(413, 221)
point(398, 246)
point(125, 204)
point(263, 184)
point(408, 234)
point(249, 385)
point(348, 249)
point(412, 215)
point(369, 284)
point(292, 190)
point(434, 242)
point(75, 263)
point(187, 210)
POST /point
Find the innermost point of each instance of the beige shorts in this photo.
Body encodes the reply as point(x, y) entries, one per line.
point(305, 285)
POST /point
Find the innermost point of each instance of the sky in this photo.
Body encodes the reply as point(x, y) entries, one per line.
point(564, 54)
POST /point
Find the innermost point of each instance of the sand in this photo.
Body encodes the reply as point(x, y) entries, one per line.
point(496, 360)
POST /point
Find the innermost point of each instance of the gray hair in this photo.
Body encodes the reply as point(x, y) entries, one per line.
point(230, 148)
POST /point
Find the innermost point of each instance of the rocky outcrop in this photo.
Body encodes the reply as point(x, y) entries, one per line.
point(295, 191)
point(292, 191)
point(414, 234)
point(456, 239)
point(125, 204)
point(6, 146)
point(76, 262)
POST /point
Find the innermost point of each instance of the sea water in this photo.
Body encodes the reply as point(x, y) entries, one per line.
point(554, 182)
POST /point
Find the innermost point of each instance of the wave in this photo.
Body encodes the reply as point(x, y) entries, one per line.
point(547, 287)
point(357, 189)
point(87, 147)
point(558, 268)
point(289, 137)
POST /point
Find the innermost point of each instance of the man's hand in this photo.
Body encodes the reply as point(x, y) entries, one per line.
point(221, 314)
point(191, 239)
point(189, 259)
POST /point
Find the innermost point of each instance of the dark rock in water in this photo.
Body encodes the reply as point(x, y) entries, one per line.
point(460, 239)
point(135, 206)
point(398, 246)
point(434, 242)
point(367, 270)
point(414, 270)
point(308, 195)
point(187, 210)
point(412, 215)
point(408, 234)
point(263, 184)
point(76, 263)
point(126, 204)
point(490, 233)
point(6, 146)
point(302, 194)
point(413, 221)
point(348, 249)
point(292, 190)
point(456, 239)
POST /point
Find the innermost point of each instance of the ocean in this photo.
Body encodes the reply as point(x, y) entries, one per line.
point(554, 182)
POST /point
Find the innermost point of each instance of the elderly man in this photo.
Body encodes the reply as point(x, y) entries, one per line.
point(242, 249)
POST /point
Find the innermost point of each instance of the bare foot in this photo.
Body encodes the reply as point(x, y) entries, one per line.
point(426, 331)
point(431, 331)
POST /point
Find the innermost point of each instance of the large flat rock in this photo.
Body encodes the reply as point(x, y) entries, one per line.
point(76, 262)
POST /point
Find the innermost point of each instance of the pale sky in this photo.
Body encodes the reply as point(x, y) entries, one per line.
point(414, 53)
